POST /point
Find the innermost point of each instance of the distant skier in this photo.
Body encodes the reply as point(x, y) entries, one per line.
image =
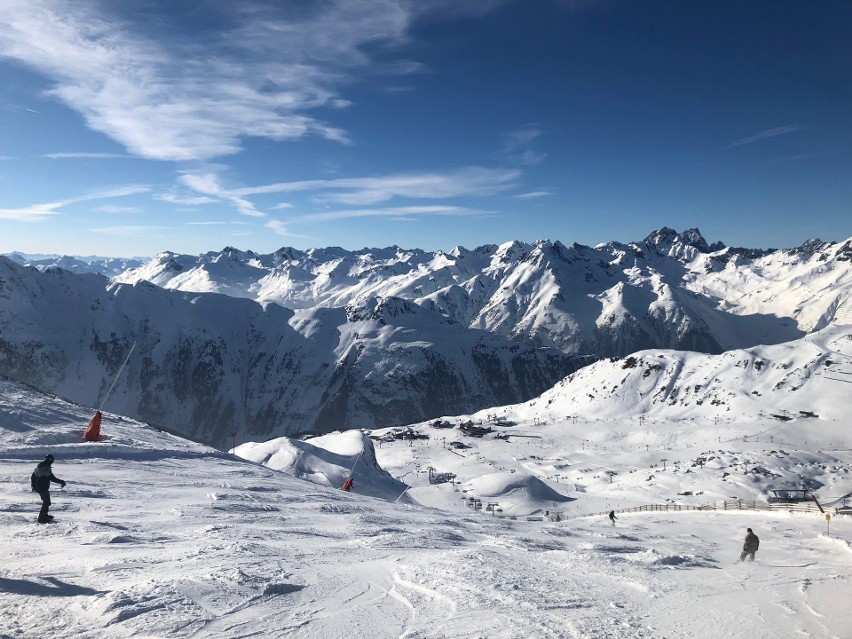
point(612, 517)
point(40, 482)
point(750, 545)
point(347, 485)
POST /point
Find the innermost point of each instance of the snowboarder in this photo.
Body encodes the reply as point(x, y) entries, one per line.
point(40, 482)
point(750, 545)
point(612, 517)
point(347, 485)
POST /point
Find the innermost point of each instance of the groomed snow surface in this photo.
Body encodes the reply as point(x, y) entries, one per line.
point(158, 537)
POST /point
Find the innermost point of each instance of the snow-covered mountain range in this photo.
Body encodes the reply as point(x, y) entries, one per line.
point(109, 266)
point(671, 290)
point(207, 365)
point(314, 341)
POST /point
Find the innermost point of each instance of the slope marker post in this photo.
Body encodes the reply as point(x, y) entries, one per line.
point(117, 375)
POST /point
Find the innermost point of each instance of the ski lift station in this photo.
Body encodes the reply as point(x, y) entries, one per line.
point(788, 496)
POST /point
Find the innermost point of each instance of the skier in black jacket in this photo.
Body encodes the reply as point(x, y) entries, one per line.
point(750, 545)
point(40, 482)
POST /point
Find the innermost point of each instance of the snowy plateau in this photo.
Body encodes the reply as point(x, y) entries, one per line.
point(491, 406)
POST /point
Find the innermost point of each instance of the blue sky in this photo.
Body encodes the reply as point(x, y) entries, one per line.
point(128, 128)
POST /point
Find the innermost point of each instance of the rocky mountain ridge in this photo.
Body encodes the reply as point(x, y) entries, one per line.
point(671, 290)
point(207, 365)
point(317, 340)
point(108, 266)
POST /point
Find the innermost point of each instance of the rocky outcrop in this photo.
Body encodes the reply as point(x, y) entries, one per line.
point(207, 365)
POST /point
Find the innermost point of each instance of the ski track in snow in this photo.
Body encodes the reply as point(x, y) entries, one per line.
point(179, 540)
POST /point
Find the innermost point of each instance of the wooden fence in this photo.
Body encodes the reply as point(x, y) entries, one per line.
point(734, 504)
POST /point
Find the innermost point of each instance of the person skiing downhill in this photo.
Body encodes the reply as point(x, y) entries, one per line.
point(40, 483)
point(612, 517)
point(750, 545)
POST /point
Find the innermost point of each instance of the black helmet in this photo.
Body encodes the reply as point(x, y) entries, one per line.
point(48, 458)
point(748, 529)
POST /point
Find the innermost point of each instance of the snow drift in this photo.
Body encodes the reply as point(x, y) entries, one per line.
point(328, 460)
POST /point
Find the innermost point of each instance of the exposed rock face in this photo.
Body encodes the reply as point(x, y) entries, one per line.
point(206, 364)
point(377, 337)
point(671, 290)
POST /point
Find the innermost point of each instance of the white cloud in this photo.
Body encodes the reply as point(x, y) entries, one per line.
point(403, 213)
point(208, 185)
point(127, 230)
point(111, 208)
point(37, 212)
point(30, 213)
point(765, 135)
point(531, 158)
point(184, 200)
point(468, 182)
point(521, 137)
point(277, 227)
point(471, 181)
point(196, 95)
point(88, 156)
point(517, 145)
point(533, 195)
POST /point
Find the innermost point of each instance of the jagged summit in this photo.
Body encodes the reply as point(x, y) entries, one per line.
point(667, 241)
point(673, 289)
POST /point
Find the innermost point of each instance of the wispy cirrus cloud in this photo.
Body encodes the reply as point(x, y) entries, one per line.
point(520, 137)
point(15, 107)
point(113, 209)
point(127, 230)
point(406, 213)
point(765, 135)
point(36, 212)
point(517, 145)
point(467, 182)
point(88, 156)
point(533, 195)
point(31, 213)
point(276, 226)
point(209, 186)
point(530, 158)
point(173, 94)
point(184, 200)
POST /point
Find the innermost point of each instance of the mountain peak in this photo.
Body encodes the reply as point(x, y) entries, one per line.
point(667, 241)
point(810, 246)
point(511, 251)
